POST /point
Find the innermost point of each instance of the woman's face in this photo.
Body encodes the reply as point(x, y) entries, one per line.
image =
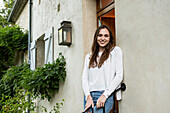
point(103, 38)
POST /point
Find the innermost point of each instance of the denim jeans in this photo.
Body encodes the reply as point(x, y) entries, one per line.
point(108, 104)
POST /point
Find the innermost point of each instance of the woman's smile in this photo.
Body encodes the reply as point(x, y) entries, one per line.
point(103, 37)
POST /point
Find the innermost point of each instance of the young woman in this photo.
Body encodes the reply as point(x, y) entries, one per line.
point(103, 71)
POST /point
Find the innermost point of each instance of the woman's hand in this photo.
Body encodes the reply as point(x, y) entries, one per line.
point(89, 102)
point(101, 101)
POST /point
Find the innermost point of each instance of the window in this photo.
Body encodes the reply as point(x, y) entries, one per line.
point(44, 48)
point(40, 57)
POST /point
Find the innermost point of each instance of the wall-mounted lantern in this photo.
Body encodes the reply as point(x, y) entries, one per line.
point(65, 33)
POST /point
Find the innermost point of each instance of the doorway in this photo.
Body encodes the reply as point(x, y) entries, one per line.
point(106, 16)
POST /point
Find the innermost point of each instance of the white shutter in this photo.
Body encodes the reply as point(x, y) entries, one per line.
point(33, 55)
point(49, 46)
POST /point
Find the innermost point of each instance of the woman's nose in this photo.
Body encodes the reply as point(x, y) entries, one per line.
point(102, 37)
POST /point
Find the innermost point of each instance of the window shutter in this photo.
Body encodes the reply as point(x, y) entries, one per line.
point(49, 46)
point(33, 55)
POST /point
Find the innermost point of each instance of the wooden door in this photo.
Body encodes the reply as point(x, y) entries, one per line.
point(110, 22)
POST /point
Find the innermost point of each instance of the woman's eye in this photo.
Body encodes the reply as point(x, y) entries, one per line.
point(100, 35)
point(106, 35)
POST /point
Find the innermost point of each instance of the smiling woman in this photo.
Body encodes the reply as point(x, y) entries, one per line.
point(103, 71)
point(103, 39)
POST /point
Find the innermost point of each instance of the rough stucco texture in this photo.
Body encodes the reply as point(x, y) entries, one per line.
point(143, 34)
point(46, 15)
point(23, 18)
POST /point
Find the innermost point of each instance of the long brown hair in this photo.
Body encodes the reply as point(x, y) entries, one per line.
point(95, 49)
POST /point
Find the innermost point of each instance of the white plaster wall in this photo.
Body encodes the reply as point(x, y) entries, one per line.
point(23, 19)
point(143, 34)
point(46, 15)
point(89, 23)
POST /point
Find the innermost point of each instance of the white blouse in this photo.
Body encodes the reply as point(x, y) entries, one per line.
point(108, 77)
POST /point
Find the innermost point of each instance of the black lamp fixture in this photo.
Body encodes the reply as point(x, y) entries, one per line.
point(65, 33)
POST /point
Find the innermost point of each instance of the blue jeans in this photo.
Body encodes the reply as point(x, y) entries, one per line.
point(108, 104)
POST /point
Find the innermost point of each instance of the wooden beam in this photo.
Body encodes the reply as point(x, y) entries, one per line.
point(106, 9)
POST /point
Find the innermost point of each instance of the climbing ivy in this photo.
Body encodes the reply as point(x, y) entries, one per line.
point(42, 82)
point(11, 82)
point(17, 103)
point(12, 38)
point(20, 104)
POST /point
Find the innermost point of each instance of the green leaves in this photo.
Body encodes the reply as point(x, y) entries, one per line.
point(12, 79)
point(11, 39)
point(18, 103)
point(44, 81)
point(55, 108)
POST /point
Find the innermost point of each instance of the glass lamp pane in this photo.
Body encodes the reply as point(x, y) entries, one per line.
point(67, 35)
point(60, 35)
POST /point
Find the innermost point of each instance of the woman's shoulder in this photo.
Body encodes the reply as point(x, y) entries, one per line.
point(88, 55)
point(116, 50)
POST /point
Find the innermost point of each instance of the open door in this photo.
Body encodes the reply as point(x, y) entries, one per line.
point(106, 16)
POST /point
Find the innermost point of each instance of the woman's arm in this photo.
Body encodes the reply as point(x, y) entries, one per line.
point(119, 73)
point(85, 85)
point(89, 100)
